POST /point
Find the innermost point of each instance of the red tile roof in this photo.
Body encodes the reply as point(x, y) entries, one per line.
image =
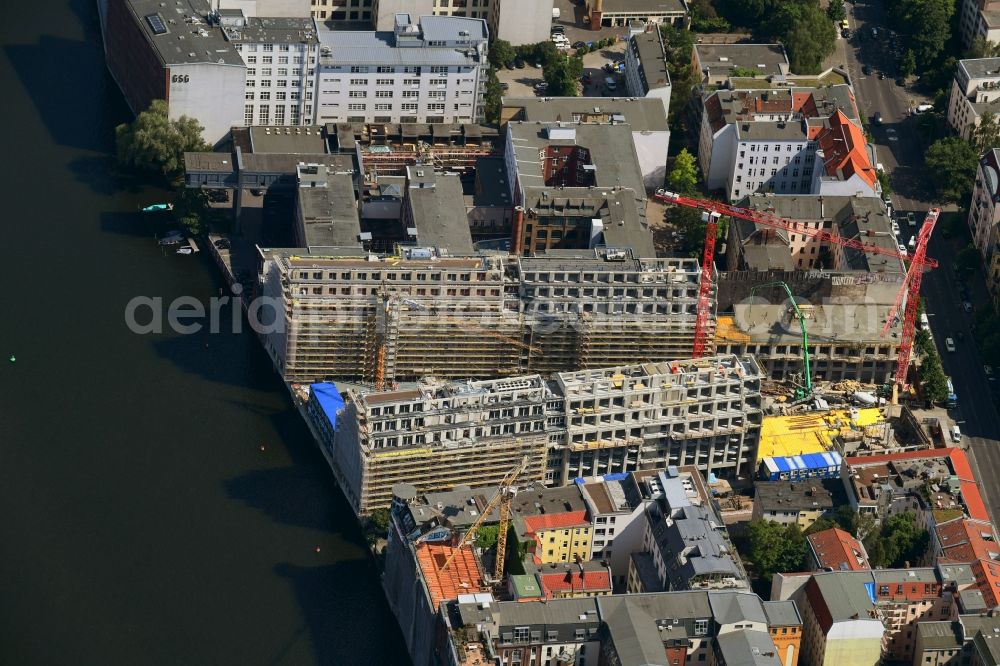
point(461, 577)
point(844, 148)
point(959, 465)
point(965, 540)
point(987, 575)
point(838, 550)
point(573, 581)
point(548, 521)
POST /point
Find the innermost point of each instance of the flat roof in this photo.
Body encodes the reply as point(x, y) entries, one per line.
point(652, 59)
point(812, 432)
point(643, 6)
point(177, 40)
point(980, 68)
point(492, 188)
point(330, 212)
point(782, 614)
point(277, 30)
point(439, 212)
point(642, 113)
point(610, 149)
point(768, 59)
point(291, 140)
point(792, 496)
point(748, 648)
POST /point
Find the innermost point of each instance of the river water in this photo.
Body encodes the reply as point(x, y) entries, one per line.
point(140, 522)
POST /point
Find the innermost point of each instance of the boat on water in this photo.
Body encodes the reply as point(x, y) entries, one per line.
point(173, 238)
point(152, 208)
point(185, 250)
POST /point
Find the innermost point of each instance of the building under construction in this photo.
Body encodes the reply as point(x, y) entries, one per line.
point(344, 314)
point(439, 435)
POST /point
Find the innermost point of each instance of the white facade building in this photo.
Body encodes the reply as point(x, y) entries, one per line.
point(516, 21)
point(646, 73)
point(280, 56)
point(978, 18)
point(974, 92)
point(984, 212)
point(434, 72)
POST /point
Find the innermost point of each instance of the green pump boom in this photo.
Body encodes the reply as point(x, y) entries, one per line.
point(802, 325)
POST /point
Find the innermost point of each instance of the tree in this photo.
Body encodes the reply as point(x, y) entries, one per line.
point(821, 525)
point(562, 77)
point(493, 99)
point(953, 161)
point(486, 536)
point(836, 11)
point(923, 343)
point(191, 209)
point(704, 18)
point(908, 63)
point(745, 72)
point(884, 182)
point(982, 48)
point(379, 520)
point(847, 518)
point(775, 548)
point(933, 383)
point(986, 135)
point(807, 34)
point(968, 258)
point(925, 24)
point(501, 54)
point(152, 142)
point(899, 541)
point(684, 176)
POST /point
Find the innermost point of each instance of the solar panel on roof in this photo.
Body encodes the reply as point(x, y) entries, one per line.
point(156, 24)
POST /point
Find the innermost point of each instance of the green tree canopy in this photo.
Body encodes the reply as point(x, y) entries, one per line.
point(775, 548)
point(836, 11)
point(923, 343)
point(501, 53)
point(493, 99)
point(807, 34)
point(908, 63)
point(953, 162)
point(899, 541)
point(925, 25)
point(981, 48)
point(152, 142)
point(986, 136)
point(933, 383)
point(486, 536)
point(562, 75)
point(684, 176)
point(968, 258)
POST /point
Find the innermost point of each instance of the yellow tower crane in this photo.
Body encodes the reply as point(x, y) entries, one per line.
point(503, 499)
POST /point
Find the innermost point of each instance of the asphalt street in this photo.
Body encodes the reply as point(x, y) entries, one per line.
point(900, 151)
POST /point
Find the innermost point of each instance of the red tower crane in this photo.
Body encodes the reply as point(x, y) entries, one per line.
point(911, 284)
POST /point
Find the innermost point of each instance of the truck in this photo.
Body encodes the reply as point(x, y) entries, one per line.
point(952, 396)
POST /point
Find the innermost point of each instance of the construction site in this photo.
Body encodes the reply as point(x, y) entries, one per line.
point(437, 434)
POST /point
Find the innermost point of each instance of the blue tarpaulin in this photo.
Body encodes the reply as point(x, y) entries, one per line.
point(328, 397)
point(870, 587)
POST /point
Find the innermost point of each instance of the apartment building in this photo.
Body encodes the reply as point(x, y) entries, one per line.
point(685, 545)
point(785, 626)
point(431, 71)
point(334, 311)
point(941, 644)
point(769, 140)
point(905, 597)
point(358, 12)
point(840, 624)
point(704, 414)
point(975, 91)
point(280, 56)
point(646, 73)
point(836, 550)
point(715, 64)
point(799, 503)
point(160, 51)
point(984, 217)
point(621, 13)
point(515, 21)
point(978, 19)
point(326, 211)
point(646, 116)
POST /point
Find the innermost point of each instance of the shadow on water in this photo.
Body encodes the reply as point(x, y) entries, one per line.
point(332, 598)
point(101, 176)
point(48, 71)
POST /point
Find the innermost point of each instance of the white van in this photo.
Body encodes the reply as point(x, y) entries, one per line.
point(923, 108)
point(956, 434)
point(556, 12)
point(925, 323)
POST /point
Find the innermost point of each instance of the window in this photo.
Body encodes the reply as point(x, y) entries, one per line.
point(386, 69)
point(383, 107)
point(265, 83)
point(700, 627)
point(282, 83)
point(439, 70)
point(268, 48)
point(355, 107)
point(282, 71)
point(279, 115)
point(280, 96)
point(265, 96)
point(383, 93)
point(411, 93)
point(359, 82)
point(409, 107)
point(251, 71)
point(265, 71)
point(248, 114)
point(439, 82)
point(266, 60)
point(358, 93)
point(249, 95)
point(357, 69)
point(251, 60)
point(265, 115)
point(383, 82)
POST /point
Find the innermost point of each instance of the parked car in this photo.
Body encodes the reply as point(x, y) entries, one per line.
point(949, 344)
point(967, 306)
point(956, 434)
point(881, 75)
point(845, 33)
point(911, 220)
point(902, 249)
point(877, 118)
point(579, 44)
point(866, 70)
point(504, 86)
point(519, 63)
